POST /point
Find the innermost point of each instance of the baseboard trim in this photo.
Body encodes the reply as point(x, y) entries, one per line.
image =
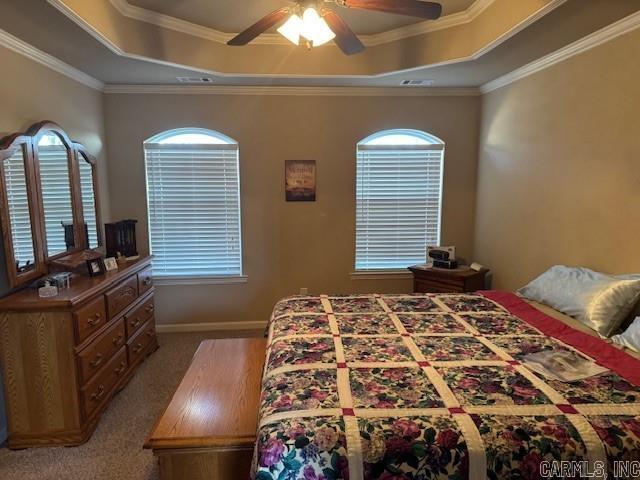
point(209, 327)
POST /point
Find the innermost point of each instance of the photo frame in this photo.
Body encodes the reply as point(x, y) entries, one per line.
point(110, 264)
point(300, 180)
point(96, 267)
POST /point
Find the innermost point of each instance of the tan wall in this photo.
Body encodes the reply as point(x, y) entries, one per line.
point(30, 92)
point(289, 245)
point(559, 168)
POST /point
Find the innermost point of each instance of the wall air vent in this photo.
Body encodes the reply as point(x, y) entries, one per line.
point(417, 83)
point(195, 79)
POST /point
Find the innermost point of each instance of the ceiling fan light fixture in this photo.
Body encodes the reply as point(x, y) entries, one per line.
point(292, 29)
point(311, 26)
point(315, 28)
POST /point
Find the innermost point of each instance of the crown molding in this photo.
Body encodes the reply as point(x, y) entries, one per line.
point(421, 28)
point(476, 9)
point(87, 27)
point(190, 28)
point(292, 91)
point(606, 34)
point(15, 44)
point(530, 20)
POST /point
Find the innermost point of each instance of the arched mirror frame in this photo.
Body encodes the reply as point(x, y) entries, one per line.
point(81, 151)
point(36, 132)
point(29, 142)
point(8, 147)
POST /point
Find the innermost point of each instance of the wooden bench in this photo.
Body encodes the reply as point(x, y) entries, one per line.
point(208, 430)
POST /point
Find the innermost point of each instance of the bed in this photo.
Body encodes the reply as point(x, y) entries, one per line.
point(430, 386)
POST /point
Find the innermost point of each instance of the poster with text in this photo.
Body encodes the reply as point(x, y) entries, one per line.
point(300, 180)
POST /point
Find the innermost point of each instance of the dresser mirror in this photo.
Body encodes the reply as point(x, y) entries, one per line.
point(55, 187)
point(49, 201)
point(88, 191)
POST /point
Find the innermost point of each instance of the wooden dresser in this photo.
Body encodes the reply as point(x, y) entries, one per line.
point(64, 358)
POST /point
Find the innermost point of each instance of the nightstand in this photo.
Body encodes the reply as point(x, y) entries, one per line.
point(428, 279)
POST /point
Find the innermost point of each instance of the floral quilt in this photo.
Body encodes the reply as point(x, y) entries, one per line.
point(427, 386)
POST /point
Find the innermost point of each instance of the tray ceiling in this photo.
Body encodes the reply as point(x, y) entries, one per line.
point(236, 15)
point(68, 39)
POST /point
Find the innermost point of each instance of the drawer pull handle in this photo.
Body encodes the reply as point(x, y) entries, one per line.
point(147, 281)
point(123, 366)
point(150, 333)
point(138, 348)
point(149, 309)
point(135, 323)
point(95, 319)
point(97, 361)
point(118, 340)
point(98, 394)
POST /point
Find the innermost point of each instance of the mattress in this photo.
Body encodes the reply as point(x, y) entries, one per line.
point(428, 386)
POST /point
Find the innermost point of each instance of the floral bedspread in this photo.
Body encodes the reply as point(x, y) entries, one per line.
point(427, 386)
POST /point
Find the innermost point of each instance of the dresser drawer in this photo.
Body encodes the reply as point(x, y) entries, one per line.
point(429, 286)
point(137, 346)
point(89, 319)
point(101, 350)
point(102, 385)
point(122, 296)
point(138, 315)
point(145, 281)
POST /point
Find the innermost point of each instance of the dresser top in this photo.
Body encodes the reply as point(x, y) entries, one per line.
point(461, 271)
point(82, 289)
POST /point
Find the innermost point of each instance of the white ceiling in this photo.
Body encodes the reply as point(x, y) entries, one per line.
point(233, 16)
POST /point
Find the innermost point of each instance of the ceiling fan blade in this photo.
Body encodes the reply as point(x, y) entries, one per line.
point(261, 26)
point(348, 42)
point(412, 8)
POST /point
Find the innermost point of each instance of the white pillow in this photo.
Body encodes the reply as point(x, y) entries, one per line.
point(631, 337)
point(600, 301)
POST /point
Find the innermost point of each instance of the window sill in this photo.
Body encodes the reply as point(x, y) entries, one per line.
point(381, 275)
point(222, 280)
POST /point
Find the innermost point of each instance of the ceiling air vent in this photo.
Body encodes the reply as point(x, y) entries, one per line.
point(195, 79)
point(417, 83)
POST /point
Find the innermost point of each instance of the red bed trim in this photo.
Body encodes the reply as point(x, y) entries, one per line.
point(605, 354)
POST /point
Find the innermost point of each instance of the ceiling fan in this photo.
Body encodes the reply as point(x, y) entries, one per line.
point(314, 24)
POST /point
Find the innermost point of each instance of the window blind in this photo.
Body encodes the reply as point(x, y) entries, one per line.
point(398, 204)
point(18, 204)
point(193, 193)
point(56, 195)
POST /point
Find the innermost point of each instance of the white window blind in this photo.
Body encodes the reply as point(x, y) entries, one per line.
point(398, 204)
point(18, 204)
point(193, 193)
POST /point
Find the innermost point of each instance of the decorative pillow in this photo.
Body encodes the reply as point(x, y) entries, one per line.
point(600, 301)
point(631, 337)
point(635, 311)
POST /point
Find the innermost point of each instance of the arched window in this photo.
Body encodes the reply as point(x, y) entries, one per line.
point(193, 197)
point(398, 198)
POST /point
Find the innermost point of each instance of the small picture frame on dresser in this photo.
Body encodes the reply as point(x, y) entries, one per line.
point(110, 264)
point(96, 267)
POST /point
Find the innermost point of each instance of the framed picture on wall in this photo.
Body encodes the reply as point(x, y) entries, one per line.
point(300, 180)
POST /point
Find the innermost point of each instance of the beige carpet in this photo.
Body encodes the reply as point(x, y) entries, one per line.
point(115, 450)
